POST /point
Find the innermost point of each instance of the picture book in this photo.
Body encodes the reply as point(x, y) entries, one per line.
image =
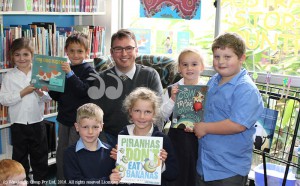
point(138, 159)
point(265, 127)
point(46, 71)
point(143, 39)
point(189, 106)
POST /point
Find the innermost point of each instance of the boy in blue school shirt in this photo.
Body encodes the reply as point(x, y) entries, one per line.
point(233, 104)
point(88, 161)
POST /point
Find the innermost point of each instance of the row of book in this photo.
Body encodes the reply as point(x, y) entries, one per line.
point(6, 5)
point(48, 39)
point(64, 5)
point(50, 108)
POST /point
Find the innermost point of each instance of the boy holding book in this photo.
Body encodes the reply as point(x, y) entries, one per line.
point(233, 105)
point(75, 94)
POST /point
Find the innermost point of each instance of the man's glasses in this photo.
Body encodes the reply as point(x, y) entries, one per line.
point(128, 49)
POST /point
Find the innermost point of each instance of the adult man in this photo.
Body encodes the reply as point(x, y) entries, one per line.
point(120, 80)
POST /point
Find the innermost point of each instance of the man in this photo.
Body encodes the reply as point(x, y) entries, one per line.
point(117, 82)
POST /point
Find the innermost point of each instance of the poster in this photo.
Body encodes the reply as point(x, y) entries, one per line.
point(138, 159)
point(46, 71)
point(143, 40)
point(189, 106)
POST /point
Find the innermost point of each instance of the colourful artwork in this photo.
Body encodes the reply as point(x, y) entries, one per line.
point(164, 42)
point(189, 106)
point(138, 159)
point(143, 39)
point(185, 9)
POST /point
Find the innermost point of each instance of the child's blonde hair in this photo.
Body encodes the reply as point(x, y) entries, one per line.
point(191, 50)
point(143, 93)
point(19, 44)
point(9, 168)
point(89, 111)
point(230, 40)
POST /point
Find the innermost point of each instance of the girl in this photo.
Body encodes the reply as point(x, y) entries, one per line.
point(190, 65)
point(25, 107)
point(143, 108)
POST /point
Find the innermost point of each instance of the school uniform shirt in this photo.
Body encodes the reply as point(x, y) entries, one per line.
point(26, 110)
point(88, 167)
point(224, 156)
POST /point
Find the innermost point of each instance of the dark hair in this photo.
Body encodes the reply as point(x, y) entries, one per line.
point(19, 44)
point(230, 40)
point(78, 38)
point(122, 33)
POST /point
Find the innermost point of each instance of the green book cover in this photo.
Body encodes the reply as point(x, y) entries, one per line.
point(138, 159)
point(46, 71)
point(189, 106)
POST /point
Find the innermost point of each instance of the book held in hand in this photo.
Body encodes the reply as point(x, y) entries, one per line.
point(138, 159)
point(189, 106)
point(46, 71)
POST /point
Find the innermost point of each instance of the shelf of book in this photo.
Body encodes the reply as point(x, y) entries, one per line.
point(50, 13)
point(2, 126)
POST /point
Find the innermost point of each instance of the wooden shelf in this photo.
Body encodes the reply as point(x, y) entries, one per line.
point(5, 125)
point(45, 116)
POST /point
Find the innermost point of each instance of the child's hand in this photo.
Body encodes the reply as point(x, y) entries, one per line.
point(163, 155)
point(66, 67)
point(199, 129)
point(45, 88)
point(39, 92)
point(113, 153)
point(174, 91)
point(27, 90)
point(189, 129)
point(115, 177)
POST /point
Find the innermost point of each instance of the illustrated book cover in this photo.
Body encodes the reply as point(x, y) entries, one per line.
point(265, 127)
point(138, 159)
point(189, 106)
point(46, 71)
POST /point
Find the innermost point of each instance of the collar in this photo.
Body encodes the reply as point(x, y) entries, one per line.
point(131, 127)
point(200, 82)
point(130, 73)
point(234, 80)
point(80, 145)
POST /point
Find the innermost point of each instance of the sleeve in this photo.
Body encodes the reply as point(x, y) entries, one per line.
point(8, 97)
point(45, 98)
point(54, 95)
point(167, 106)
point(80, 86)
point(156, 83)
point(172, 167)
point(247, 105)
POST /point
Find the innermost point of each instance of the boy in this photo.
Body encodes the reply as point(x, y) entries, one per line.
point(232, 107)
point(75, 94)
point(88, 161)
point(12, 173)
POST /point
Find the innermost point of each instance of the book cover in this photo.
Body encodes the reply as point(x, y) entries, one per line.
point(143, 39)
point(138, 159)
point(189, 106)
point(265, 127)
point(46, 71)
point(164, 42)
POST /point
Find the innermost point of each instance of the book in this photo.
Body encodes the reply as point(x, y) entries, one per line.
point(189, 106)
point(265, 127)
point(46, 71)
point(138, 159)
